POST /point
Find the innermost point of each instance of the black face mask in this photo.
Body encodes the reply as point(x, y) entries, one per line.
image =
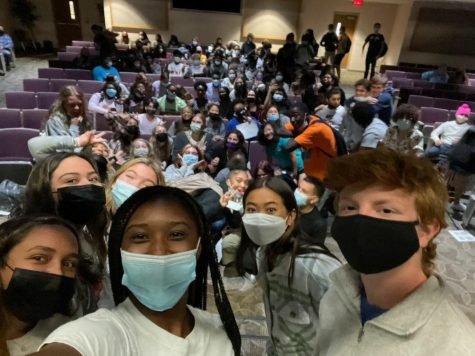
point(372, 245)
point(214, 117)
point(138, 96)
point(161, 137)
point(80, 204)
point(33, 295)
point(2, 33)
point(133, 131)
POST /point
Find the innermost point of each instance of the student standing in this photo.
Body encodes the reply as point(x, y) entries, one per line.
point(376, 47)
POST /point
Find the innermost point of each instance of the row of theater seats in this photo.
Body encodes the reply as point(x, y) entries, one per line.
point(440, 103)
point(405, 92)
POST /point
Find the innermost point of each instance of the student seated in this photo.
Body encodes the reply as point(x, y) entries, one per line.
point(373, 129)
point(332, 112)
point(439, 75)
point(100, 72)
point(307, 195)
point(170, 103)
point(449, 133)
point(107, 99)
point(381, 100)
point(388, 300)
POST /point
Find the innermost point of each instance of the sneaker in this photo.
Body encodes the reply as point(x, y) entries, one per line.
point(459, 207)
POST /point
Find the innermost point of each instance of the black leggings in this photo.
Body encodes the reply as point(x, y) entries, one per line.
point(338, 58)
point(370, 61)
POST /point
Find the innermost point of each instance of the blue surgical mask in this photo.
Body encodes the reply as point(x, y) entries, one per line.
point(279, 78)
point(121, 191)
point(111, 93)
point(216, 82)
point(404, 124)
point(195, 127)
point(141, 152)
point(158, 282)
point(300, 198)
point(278, 97)
point(232, 76)
point(272, 117)
point(190, 159)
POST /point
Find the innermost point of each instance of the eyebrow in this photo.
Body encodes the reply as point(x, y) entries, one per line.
point(169, 222)
point(44, 248)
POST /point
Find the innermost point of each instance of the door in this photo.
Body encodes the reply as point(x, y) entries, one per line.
point(349, 21)
point(67, 20)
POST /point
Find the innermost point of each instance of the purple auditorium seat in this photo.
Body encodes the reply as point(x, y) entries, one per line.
point(74, 49)
point(391, 74)
point(67, 56)
point(185, 82)
point(127, 77)
point(471, 82)
point(14, 143)
point(46, 99)
point(420, 101)
point(49, 73)
point(108, 135)
point(447, 104)
point(83, 43)
point(153, 77)
point(432, 115)
point(466, 89)
point(40, 84)
point(20, 100)
point(406, 92)
point(413, 75)
point(402, 82)
point(100, 123)
point(57, 84)
point(15, 170)
point(205, 79)
point(90, 86)
point(34, 118)
point(190, 90)
point(10, 118)
point(78, 74)
point(423, 84)
point(257, 153)
point(170, 119)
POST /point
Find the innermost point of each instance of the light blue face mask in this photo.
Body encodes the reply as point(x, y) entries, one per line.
point(159, 282)
point(190, 159)
point(273, 117)
point(278, 97)
point(111, 93)
point(300, 198)
point(121, 191)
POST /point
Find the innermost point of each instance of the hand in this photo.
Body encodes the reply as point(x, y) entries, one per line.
point(372, 101)
point(218, 138)
point(225, 198)
point(76, 121)
point(437, 142)
point(163, 165)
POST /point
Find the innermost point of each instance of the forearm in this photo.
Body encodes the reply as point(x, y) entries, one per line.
point(42, 146)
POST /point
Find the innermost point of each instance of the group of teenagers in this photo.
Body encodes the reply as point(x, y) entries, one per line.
point(114, 242)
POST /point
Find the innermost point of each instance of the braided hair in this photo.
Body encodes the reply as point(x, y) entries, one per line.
point(198, 289)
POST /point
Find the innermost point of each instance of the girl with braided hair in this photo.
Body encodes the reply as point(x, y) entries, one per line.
point(159, 254)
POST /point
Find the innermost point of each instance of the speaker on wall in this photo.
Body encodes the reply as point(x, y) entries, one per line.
point(232, 6)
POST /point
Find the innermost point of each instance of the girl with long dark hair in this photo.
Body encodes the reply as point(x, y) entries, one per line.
point(292, 270)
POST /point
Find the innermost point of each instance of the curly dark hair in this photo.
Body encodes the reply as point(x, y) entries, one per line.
point(407, 111)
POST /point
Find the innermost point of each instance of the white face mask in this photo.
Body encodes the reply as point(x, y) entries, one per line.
point(461, 119)
point(264, 229)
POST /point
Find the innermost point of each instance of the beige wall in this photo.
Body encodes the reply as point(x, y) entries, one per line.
point(318, 14)
point(432, 58)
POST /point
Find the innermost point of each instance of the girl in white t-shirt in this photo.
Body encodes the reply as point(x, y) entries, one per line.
point(158, 246)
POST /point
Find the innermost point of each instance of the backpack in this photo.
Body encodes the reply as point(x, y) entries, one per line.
point(348, 45)
point(340, 142)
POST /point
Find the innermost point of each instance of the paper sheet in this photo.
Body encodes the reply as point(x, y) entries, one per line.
point(462, 235)
point(249, 130)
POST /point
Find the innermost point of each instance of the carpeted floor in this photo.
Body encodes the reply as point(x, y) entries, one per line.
point(455, 261)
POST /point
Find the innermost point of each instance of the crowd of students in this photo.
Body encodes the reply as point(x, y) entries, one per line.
point(111, 248)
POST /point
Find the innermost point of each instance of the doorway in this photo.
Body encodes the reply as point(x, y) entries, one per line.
point(67, 20)
point(349, 21)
